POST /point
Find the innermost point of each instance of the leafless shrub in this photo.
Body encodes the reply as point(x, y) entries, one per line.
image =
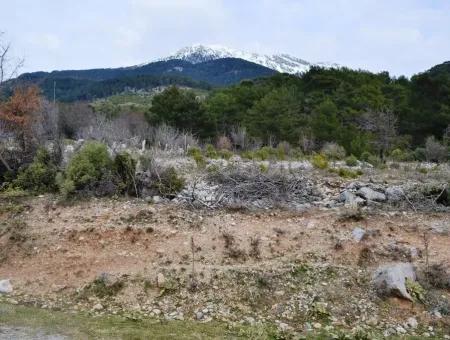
point(307, 141)
point(239, 138)
point(223, 143)
point(285, 147)
point(74, 117)
point(383, 124)
point(168, 138)
point(9, 65)
point(255, 250)
point(124, 129)
point(366, 257)
point(231, 249)
point(438, 276)
point(333, 151)
point(435, 151)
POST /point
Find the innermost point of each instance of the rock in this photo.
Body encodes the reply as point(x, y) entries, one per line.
point(412, 323)
point(358, 234)
point(97, 307)
point(5, 287)
point(157, 199)
point(400, 330)
point(442, 228)
point(317, 325)
point(160, 280)
point(350, 199)
point(395, 194)
point(199, 315)
point(284, 327)
point(371, 195)
point(390, 279)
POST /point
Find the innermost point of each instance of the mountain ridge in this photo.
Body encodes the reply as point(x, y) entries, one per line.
point(283, 63)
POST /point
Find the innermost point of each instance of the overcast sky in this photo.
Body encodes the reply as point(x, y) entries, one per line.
point(399, 36)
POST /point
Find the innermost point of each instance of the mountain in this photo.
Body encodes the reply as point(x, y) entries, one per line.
point(196, 66)
point(74, 85)
point(282, 63)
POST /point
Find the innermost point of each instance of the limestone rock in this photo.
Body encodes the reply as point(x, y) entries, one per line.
point(390, 280)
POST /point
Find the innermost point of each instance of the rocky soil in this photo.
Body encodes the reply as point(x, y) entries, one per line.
point(368, 258)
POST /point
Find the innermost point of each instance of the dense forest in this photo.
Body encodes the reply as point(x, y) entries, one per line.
point(344, 106)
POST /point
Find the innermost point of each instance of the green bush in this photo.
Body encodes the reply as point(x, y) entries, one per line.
point(351, 161)
point(89, 166)
point(263, 168)
point(399, 155)
point(125, 169)
point(374, 160)
point(39, 176)
point(297, 154)
point(169, 183)
point(225, 154)
point(347, 173)
point(319, 161)
point(420, 154)
point(264, 153)
point(211, 152)
point(198, 157)
point(248, 155)
point(365, 156)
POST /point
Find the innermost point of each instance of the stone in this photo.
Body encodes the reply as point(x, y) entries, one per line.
point(395, 194)
point(157, 199)
point(358, 234)
point(160, 280)
point(390, 280)
point(412, 323)
point(5, 287)
point(350, 199)
point(371, 195)
point(97, 307)
point(199, 315)
point(400, 330)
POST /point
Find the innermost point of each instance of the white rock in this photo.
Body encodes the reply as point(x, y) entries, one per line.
point(5, 287)
point(400, 330)
point(412, 323)
point(391, 279)
point(160, 280)
point(358, 234)
point(371, 195)
point(97, 307)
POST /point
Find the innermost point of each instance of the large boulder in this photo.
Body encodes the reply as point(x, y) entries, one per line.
point(371, 195)
point(390, 279)
point(5, 287)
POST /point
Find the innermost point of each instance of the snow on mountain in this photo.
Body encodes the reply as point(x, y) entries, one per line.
point(279, 62)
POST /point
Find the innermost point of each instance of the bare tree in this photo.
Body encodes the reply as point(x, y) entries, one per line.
point(383, 124)
point(9, 65)
point(239, 137)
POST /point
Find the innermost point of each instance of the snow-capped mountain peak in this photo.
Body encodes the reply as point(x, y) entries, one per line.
point(279, 62)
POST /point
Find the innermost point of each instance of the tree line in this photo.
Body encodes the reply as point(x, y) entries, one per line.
point(359, 110)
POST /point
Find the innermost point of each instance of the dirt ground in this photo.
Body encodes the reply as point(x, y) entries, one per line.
point(49, 250)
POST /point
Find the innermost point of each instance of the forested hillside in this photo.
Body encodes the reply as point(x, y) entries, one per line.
point(323, 105)
point(76, 85)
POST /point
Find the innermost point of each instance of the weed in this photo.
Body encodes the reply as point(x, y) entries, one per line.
point(319, 161)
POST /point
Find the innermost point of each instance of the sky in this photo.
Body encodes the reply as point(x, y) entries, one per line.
point(400, 36)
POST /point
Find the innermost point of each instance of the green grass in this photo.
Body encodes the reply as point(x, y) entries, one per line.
point(84, 326)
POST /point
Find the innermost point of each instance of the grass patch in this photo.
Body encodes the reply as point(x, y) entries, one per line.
point(84, 326)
